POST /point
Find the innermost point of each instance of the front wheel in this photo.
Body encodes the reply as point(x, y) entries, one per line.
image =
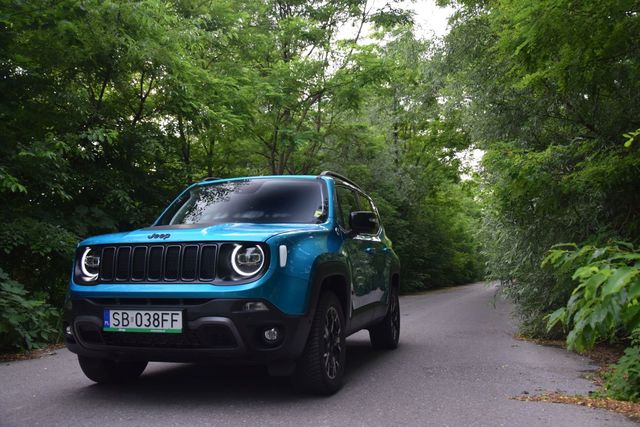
point(320, 369)
point(386, 334)
point(107, 371)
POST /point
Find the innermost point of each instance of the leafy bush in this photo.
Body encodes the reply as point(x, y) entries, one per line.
point(607, 299)
point(26, 321)
point(604, 305)
point(623, 381)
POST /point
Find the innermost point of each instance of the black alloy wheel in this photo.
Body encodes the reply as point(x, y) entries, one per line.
point(320, 369)
point(386, 334)
point(332, 343)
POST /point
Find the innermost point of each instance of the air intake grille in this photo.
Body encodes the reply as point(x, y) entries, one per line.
point(186, 262)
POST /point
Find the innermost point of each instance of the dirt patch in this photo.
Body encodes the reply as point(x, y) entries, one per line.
point(605, 355)
point(629, 409)
point(32, 354)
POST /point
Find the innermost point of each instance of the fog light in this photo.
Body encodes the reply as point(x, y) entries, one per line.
point(271, 335)
point(255, 306)
point(68, 331)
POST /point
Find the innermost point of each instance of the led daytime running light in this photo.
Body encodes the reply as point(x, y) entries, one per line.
point(87, 276)
point(235, 265)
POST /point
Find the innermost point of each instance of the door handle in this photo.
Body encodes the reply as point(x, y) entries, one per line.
point(370, 250)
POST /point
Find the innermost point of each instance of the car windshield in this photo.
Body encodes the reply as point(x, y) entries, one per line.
point(263, 201)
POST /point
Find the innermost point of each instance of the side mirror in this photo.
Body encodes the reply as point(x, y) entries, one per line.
point(363, 222)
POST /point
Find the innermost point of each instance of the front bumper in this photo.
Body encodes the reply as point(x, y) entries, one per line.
point(216, 330)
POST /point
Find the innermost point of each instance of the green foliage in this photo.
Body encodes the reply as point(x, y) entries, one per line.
point(607, 298)
point(550, 91)
point(531, 81)
point(630, 137)
point(26, 321)
point(623, 381)
point(401, 149)
point(108, 108)
point(604, 305)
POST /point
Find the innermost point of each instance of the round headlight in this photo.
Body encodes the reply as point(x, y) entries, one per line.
point(247, 260)
point(90, 264)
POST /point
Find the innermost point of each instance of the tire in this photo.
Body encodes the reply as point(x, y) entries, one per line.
point(386, 334)
point(106, 371)
point(320, 369)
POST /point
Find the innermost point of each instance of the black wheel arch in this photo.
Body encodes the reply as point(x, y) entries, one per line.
point(334, 276)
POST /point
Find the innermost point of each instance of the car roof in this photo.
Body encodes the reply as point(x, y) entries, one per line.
point(323, 175)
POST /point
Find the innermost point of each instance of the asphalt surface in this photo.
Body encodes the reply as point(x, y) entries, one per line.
point(457, 365)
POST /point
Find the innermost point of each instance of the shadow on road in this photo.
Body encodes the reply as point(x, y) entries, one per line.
point(186, 385)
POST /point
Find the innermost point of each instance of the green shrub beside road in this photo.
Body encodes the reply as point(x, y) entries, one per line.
point(26, 321)
point(604, 306)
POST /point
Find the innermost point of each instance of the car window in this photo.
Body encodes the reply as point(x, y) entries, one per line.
point(346, 204)
point(365, 205)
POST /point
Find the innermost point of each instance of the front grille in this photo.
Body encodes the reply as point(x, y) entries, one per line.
point(186, 262)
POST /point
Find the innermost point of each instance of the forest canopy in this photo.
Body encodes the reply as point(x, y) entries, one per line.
point(110, 108)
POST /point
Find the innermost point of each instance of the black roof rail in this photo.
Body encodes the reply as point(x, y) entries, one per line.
point(340, 177)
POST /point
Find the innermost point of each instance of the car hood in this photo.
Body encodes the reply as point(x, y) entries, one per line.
point(238, 232)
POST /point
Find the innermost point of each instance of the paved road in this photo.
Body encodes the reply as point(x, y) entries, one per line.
point(457, 365)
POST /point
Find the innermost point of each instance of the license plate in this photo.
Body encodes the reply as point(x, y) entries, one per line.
point(142, 321)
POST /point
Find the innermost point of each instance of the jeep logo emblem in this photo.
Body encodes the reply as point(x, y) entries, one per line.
point(163, 236)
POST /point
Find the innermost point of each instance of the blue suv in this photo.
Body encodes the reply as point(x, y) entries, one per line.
point(270, 270)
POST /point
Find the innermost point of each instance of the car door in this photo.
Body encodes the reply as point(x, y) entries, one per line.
point(357, 248)
point(378, 278)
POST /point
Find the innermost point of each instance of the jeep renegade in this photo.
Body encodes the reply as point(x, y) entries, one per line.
point(271, 270)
